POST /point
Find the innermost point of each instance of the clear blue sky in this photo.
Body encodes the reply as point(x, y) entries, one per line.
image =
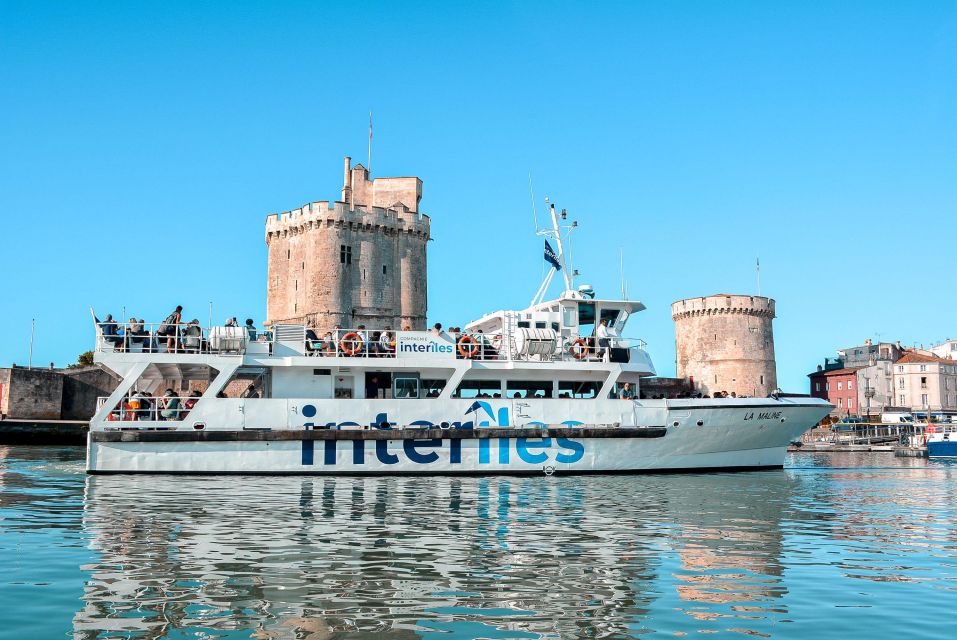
point(142, 145)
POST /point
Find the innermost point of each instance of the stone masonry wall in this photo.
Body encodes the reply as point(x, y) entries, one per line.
point(726, 343)
point(352, 262)
point(31, 393)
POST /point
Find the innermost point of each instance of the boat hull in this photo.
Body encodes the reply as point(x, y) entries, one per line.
point(705, 438)
point(942, 448)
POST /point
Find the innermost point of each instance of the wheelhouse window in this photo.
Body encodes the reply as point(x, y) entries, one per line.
point(528, 389)
point(581, 390)
point(479, 389)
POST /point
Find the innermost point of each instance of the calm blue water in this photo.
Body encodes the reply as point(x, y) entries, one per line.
point(835, 546)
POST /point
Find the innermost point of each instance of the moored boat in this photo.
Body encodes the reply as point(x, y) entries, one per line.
point(552, 388)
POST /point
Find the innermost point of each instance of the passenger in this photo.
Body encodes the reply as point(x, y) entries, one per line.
point(406, 327)
point(142, 405)
point(169, 406)
point(231, 322)
point(386, 342)
point(365, 347)
point(139, 334)
point(734, 395)
point(109, 330)
point(313, 344)
point(437, 330)
point(328, 345)
point(626, 392)
point(221, 394)
point(250, 392)
point(193, 336)
point(251, 330)
point(191, 400)
point(169, 329)
point(604, 339)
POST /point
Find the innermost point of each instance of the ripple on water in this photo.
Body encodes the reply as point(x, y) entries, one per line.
point(816, 549)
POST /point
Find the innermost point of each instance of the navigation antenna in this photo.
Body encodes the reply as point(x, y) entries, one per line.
point(560, 233)
point(621, 271)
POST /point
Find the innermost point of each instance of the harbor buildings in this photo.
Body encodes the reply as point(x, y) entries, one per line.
point(926, 382)
point(946, 349)
point(359, 260)
point(875, 378)
point(839, 387)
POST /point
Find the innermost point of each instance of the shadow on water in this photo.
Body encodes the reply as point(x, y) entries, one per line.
point(823, 544)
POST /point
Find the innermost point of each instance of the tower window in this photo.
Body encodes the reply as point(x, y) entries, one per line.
point(345, 254)
point(288, 253)
point(383, 270)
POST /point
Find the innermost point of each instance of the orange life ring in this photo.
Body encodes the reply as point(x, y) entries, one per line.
point(468, 347)
point(579, 349)
point(352, 338)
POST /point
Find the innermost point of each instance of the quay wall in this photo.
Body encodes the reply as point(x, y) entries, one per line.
point(53, 394)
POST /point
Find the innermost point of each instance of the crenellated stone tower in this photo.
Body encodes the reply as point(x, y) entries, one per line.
point(725, 343)
point(361, 260)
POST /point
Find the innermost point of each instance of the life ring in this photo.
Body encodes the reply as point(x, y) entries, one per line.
point(468, 347)
point(579, 349)
point(352, 338)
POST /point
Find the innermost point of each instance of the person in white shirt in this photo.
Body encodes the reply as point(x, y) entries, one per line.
point(604, 341)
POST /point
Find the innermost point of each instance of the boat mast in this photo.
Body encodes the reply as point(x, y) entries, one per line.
point(555, 234)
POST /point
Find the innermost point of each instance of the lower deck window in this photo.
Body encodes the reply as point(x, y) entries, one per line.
point(529, 389)
point(432, 388)
point(583, 390)
point(479, 389)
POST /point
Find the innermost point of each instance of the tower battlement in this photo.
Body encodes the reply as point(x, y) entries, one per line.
point(358, 260)
point(325, 213)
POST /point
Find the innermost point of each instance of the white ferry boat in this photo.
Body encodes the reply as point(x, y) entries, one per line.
point(514, 392)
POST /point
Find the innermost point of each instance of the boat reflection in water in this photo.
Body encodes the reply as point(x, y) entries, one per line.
point(491, 557)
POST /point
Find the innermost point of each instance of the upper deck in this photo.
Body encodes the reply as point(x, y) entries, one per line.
point(532, 345)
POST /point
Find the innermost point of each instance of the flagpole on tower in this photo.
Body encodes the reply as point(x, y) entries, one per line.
point(757, 267)
point(370, 143)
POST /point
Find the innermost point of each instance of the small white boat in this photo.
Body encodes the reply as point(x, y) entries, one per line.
point(515, 392)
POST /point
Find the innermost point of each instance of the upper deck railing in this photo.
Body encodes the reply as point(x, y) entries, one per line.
point(521, 345)
point(190, 338)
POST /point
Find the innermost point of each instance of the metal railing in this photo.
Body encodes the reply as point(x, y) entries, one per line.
point(139, 408)
point(366, 343)
point(141, 337)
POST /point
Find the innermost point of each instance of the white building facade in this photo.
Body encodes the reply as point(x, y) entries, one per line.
point(925, 382)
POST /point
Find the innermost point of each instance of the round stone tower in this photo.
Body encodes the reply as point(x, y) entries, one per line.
point(361, 260)
point(725, 343)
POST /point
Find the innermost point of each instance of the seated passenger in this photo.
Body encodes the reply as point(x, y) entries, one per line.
point(193, 336)
point(313, 344)
point(626, 392)
point(109, 330)
point(170, 406)
point(251, 330)
point(142, 335)
point(191, 401)
point(250, 392)
point(386, 342)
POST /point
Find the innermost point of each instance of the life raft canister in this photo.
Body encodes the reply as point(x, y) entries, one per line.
point(350, 344)
point(468, 347)
point(579, 349)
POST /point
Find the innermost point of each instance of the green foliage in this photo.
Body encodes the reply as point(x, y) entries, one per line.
point(85, 359)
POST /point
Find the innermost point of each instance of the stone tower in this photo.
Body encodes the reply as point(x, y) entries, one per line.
point(361, 260)
point(725, 343)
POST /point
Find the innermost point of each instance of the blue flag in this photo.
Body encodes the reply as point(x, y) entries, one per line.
point(551, 258)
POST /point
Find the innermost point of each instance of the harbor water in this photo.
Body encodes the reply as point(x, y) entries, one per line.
point(834, 546)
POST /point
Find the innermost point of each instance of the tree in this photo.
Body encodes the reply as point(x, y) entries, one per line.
point(85, 359)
